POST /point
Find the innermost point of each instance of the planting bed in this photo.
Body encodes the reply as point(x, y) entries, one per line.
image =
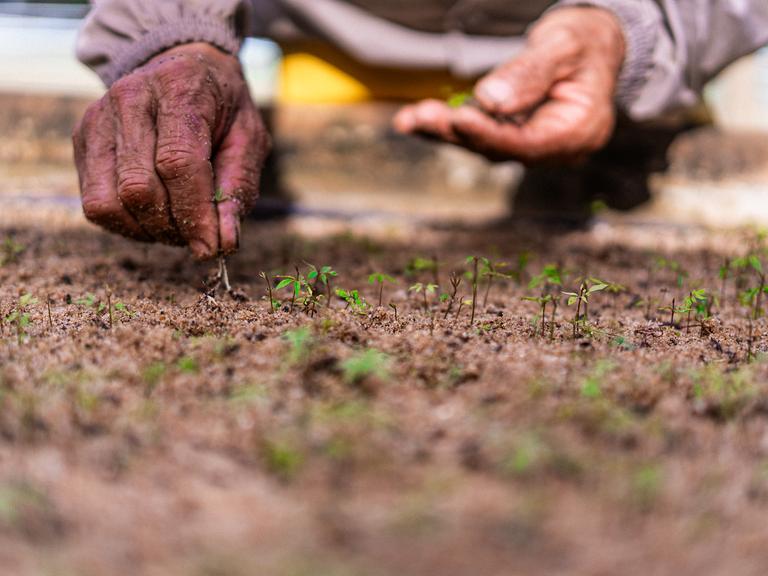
point(194, 433)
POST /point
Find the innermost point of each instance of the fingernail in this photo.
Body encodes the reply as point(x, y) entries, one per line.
point(495, 90)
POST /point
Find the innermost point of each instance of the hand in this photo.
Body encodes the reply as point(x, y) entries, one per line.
point(173, 152)
point(563, 83)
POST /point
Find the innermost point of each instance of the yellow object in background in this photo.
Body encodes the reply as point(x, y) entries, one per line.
point(316, 73)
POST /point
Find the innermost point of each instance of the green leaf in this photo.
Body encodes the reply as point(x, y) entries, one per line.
point(284, 283)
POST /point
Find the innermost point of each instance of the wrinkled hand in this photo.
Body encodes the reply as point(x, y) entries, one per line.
point(173, 152)
point(563, 83)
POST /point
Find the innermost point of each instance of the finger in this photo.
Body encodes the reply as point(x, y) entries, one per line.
point(94, 144)
point(184, 128)
point(237, 169)
point(139, 188)
point(430, 117)
point(522, 83)
point(555, 130)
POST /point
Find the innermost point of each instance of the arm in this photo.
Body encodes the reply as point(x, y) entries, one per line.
point(674, 47)
point(584, 57)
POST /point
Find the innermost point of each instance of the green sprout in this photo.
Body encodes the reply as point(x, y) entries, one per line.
point(419, 265)
point(273, 304)
point(491, 270)
point(581, 299)
point(550, 277)
point(696, 302)
point(323, 275)
point(369, 363)
point(455, 280)
point(673, 266)
point(353, 299)
point(10, 250)
point(300, 343)
point(296, 284)
point(475, 261)
point(459, 99)
point(380, 279)
point(21, 318)
point(543, 301)
point(425, 290)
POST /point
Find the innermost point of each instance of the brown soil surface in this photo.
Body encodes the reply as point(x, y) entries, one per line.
point(193, 435)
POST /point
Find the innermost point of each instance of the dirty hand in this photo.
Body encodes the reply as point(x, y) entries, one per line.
point(173, 152)
point(562, 85)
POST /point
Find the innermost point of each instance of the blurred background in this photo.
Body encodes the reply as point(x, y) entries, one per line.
point(345, 157)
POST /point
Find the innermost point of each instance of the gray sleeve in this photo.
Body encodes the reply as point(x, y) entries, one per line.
point(674, 47)
point(119, 35)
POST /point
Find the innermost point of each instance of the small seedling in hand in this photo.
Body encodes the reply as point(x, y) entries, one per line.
point(380, 279)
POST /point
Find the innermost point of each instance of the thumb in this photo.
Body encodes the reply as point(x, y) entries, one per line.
point(524, 82)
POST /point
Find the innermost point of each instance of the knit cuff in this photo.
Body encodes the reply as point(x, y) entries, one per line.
point(640, 21)
point(184, 31)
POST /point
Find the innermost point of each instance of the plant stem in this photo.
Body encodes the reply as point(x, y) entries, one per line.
point(109, 308)
point(543, 317)
point(672, 319)
point(487, 289)
point(578, 312)
point(50, 317)
point(269, 292)
point(474, 291)
point(552, 321)
point(381, 292)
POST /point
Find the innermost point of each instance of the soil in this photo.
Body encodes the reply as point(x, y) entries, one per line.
point(197, 434)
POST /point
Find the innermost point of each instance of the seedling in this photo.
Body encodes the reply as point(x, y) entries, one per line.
point(459, 99)
point(696, 301)
point(48, 306)
point(380, 279)
point(420, 264)
point(581, 298)
point(296, 284)
point(673, 266)
point(300, 341)
point(751, 298)
point(353, 299)
point(550, 276)
point(323, 276)
point(10, 250)
point(475, 261)
point(542, 301)
point(724, 274)
point(491, 270)
point(455, 280)
point(425, 290)
point(367, 364)
point(394, 307)
point(20, 317)
point(519, 273)
point(273, 304)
